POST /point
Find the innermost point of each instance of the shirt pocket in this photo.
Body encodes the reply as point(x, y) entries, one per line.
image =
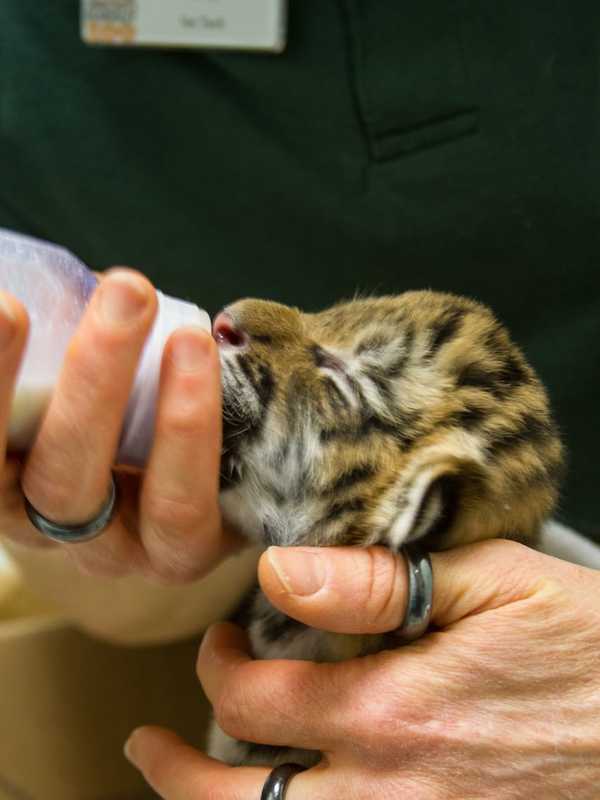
point(410, 76)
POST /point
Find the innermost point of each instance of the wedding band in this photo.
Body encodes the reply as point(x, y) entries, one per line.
point(420, 594)
point(70, 534)
point(276, 784)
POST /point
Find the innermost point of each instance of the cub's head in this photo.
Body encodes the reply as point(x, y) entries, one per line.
point(382, 420)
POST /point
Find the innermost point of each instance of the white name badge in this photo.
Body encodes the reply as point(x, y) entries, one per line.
point(232, 24)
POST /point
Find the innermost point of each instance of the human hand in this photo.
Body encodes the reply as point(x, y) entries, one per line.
point(167, 525)
point(501, 701)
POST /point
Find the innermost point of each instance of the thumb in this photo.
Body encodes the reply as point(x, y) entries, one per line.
point(354, 590)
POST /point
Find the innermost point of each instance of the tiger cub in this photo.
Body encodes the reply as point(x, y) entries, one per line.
point(378, 421)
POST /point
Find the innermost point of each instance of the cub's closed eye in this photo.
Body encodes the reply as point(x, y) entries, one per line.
point(327, 360)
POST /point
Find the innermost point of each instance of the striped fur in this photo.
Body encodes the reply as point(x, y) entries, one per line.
point(378, 421)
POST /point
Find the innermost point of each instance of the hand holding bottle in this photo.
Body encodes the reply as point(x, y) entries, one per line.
point(167, 524)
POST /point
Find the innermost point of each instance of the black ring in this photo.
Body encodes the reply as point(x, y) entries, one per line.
point(276, 784)
point(71, 534)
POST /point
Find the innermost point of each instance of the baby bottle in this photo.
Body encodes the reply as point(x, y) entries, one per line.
point(55, 287)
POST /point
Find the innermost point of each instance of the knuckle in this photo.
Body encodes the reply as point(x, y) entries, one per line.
point(99, 557)
point(173, 559)
point(380, 714)
point(232, 708)
point(371, 727)
point(96, 356)
point(508, 549)
point(513, 560)
point(95, 567)
point(169, 564)
point(171, 572)
point(99, 379)
point(173, 513)
point(186, 421)
point(383, 602)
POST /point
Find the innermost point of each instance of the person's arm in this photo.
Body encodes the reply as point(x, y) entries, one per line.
point(167, 528)
point(501, 701)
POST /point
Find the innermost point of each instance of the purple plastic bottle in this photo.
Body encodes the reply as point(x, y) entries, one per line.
point(55, 287)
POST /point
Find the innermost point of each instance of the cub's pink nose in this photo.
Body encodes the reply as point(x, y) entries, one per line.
point(225, 332)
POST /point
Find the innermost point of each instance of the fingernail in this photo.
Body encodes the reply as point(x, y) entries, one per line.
point(122, 298)
point(300, 571)
point(7, 324)
point(190, 348)
point(128, 749)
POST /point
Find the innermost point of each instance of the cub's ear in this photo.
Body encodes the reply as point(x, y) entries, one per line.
point(428, 506)
point(433, 493)
point(453, 492)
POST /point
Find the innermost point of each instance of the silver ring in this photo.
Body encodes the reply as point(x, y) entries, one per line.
point(420, 594)
point(277, 781)
point(70, 534)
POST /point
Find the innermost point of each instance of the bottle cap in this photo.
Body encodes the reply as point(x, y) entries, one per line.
point(138, 428)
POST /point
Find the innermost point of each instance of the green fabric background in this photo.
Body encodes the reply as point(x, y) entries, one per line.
point(392, 146)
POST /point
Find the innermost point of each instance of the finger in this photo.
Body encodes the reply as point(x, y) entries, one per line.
point(67, 473)
point(14, 326)
point(345, 589)
point(318, 586)
point(180, 519)
point(277, 702)
point(179, 772)
point(14, 523)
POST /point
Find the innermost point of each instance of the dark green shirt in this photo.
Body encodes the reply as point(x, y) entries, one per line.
point(392, 146)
